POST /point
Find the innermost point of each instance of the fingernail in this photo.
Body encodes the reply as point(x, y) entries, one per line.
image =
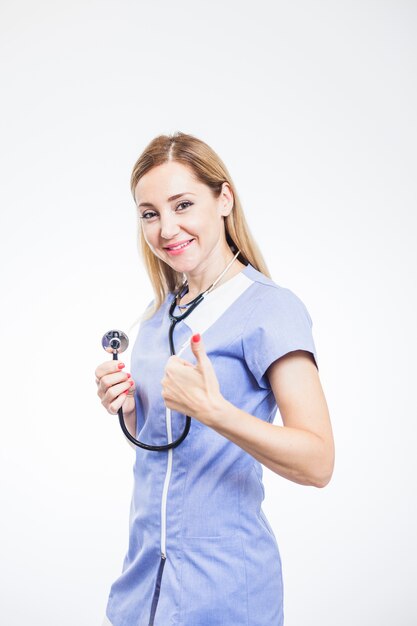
point(128, 375)
point(121, 366)
point(196, 338)
point(131, 382)
point(127, 391)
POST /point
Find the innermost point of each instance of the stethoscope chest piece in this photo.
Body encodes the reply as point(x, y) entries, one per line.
point(117, 340)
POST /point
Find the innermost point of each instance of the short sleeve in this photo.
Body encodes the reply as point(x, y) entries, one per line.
point(278, 323)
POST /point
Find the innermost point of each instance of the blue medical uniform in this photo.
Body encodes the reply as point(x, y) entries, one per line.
point(201, 503)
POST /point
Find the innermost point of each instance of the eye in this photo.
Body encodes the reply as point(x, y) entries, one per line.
point(184, 205)
point(150, 215)
point(147, 215)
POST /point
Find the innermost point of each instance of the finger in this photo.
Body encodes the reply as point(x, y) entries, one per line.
point(198, 349)
point(118, 402)
point(114, 392)
point(174, 361)
point(112, 380)
point(108, 367)
point(108, 380)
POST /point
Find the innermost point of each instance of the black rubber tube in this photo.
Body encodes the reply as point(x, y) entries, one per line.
point(147, 446)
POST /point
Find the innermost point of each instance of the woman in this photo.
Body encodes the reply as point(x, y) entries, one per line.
point(201, 552)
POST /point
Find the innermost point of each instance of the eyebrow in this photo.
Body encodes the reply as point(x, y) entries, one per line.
point(170, 199)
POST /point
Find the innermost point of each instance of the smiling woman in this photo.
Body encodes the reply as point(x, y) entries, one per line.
point(201, 551)
point(186, 225)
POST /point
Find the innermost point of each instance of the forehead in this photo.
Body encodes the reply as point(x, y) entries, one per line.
point(166, 180)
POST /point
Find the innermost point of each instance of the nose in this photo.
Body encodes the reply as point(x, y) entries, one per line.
point(169, 225)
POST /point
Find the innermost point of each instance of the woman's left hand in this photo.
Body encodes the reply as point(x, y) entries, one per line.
point(192, 389)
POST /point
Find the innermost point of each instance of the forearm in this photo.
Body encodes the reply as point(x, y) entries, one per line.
point(130, 422)
point(298, 455)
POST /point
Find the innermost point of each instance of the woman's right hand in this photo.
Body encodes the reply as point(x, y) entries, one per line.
point(115, 388)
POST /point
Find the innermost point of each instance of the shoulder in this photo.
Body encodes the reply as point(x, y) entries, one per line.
point(277, 322)
point(151, 315)
point(272, 299)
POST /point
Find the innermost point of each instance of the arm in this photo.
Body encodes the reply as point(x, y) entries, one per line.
point(117, 389)
point(301, 450)
point(130, 421)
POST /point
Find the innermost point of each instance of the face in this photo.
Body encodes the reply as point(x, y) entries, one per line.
point(182, 222)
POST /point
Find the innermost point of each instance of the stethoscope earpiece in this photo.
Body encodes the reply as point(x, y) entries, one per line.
point(117, 340)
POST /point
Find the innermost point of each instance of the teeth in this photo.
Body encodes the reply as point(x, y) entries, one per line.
point(180, 246)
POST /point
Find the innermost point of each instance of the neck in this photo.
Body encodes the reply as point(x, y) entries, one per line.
point(225, 268)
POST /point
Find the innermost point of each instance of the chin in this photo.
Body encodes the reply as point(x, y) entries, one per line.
point(181, 265)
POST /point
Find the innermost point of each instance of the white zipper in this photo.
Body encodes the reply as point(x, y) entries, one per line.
point(168, 420)
point(202, 317)
point(166, 485)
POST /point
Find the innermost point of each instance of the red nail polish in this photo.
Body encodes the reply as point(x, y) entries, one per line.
point(128, 375)
point(196, 338)
point(127, 391)
point(120, 366)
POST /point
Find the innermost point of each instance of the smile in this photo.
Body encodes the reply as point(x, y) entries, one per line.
point(178, 247)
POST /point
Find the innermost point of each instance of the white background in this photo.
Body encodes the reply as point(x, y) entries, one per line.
point(312, 107)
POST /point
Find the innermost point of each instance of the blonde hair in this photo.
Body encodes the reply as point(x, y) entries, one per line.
point(209, 169)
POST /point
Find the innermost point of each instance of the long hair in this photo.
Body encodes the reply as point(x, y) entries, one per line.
point(209, 169)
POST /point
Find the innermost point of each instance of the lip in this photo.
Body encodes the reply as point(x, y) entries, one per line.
point(177, 243)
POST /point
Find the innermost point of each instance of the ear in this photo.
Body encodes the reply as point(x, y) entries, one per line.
point(226, 199)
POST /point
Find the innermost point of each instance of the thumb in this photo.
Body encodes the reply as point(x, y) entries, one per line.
point(198, 349)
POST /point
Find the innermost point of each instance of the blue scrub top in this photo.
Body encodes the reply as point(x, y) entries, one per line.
point(202, 500)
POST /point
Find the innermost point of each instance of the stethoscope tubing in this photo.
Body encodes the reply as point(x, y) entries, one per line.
point(174, 321)
point(173, 444)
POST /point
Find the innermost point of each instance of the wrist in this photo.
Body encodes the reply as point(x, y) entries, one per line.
point(214, 413)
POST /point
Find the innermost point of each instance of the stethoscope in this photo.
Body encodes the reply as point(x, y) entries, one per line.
point(118, 341)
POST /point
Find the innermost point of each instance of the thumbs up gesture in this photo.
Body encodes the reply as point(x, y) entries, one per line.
point(192, 389)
